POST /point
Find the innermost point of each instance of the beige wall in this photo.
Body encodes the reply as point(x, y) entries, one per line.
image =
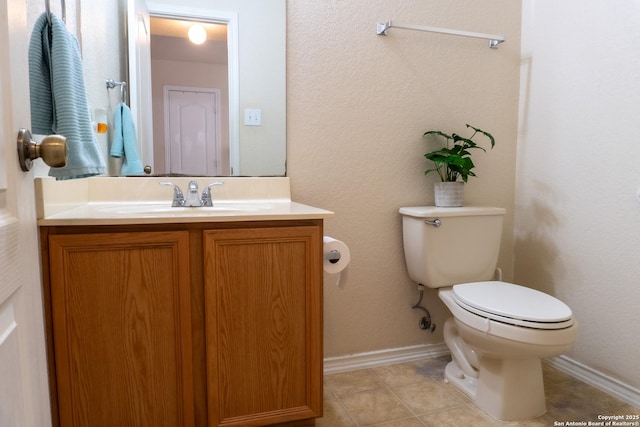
point(577, 218)
point(357, 106)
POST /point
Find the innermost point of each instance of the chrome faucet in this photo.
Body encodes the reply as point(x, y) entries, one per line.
point(178, 197)
point(206, 200)
point(192, 199)
point(192, 196)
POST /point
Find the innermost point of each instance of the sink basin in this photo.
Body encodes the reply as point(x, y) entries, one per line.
point(167, 209)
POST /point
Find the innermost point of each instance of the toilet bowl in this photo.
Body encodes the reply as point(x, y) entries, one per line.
point(496, 353)
point(499, 331)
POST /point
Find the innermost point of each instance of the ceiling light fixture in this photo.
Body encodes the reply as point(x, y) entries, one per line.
point(197, 34)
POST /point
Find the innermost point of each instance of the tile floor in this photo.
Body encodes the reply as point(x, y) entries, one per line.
point(413, 394)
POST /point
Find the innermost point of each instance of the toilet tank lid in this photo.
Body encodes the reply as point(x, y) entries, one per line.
point(433, 211)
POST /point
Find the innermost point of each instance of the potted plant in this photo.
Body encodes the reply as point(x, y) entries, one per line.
point(452, 162)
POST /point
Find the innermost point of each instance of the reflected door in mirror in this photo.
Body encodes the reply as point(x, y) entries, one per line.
point(192, 131)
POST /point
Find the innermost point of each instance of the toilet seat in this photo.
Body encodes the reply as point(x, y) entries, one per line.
point(513, 304)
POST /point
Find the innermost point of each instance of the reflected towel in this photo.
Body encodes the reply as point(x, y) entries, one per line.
point(58, 97)
point(124, 141)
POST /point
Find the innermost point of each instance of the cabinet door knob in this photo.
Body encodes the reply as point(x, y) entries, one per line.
point(52, 150)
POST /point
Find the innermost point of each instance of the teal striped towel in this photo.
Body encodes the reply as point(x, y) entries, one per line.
point(58, 98)
point(124, 142)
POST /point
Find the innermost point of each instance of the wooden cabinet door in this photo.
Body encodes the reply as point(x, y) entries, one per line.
point(263, 309)
point(121, 328)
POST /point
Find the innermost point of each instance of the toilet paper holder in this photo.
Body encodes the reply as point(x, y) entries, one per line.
point(332, 256)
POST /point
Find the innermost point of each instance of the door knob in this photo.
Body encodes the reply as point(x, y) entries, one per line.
point(52, 150)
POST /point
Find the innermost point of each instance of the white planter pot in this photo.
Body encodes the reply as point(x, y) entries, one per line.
point(449, 194)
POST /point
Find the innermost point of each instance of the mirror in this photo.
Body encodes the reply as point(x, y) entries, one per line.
point(195, 103)
point(181, 101)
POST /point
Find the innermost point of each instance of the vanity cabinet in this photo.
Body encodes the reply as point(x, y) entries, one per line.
point(121, 319)
point(196, 324)
point(263, 290)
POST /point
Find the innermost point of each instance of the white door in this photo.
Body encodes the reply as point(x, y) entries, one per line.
point(24, 396)
point(140, 76)
point(192, 131)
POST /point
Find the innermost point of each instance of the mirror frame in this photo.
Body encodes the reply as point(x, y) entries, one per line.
point(140, 95)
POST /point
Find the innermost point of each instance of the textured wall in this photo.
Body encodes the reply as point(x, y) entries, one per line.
point(357, 106)
point(578, 222)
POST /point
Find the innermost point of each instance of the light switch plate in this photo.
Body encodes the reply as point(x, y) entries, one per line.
point(252, 117)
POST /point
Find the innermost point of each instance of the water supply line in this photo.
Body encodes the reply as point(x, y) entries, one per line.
point(425, 322)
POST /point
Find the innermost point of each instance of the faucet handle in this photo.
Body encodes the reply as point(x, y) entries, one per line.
point(206, 194)
point(178, 197)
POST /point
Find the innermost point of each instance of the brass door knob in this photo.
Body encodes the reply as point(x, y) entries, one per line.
point(52, 150)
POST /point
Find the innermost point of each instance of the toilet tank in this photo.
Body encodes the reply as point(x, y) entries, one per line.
point(463, 248)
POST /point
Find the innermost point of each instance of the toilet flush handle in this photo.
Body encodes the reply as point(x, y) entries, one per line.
point(435, 222)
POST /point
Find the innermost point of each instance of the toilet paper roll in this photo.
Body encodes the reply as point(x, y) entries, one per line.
point(332, 249)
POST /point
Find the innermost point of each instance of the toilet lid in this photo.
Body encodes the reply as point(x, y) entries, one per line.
point(513, 304)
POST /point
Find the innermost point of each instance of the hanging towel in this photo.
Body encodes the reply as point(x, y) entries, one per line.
point(58, 98)
point(124, 142)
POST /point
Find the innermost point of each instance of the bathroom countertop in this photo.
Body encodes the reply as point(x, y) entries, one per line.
point(109, 214)
point(119, 201)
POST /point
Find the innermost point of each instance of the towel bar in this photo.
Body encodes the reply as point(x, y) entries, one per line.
point(494, 39)
point(123, 88)
point(64, 10)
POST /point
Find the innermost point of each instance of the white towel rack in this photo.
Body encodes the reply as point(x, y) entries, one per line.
point(494, 39)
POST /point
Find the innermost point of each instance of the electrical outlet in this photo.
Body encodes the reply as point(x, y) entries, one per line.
point(252, 117)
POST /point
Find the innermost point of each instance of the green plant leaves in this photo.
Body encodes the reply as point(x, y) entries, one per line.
point(455, 161)
point(437, 132)
point(487, 134)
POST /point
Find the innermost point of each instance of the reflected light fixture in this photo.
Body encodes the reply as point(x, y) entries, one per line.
point(197, 34)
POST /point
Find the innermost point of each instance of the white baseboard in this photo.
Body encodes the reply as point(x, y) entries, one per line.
point(371, 359)
point(610, 385)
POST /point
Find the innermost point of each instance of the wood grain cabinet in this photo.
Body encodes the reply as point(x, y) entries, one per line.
point(263, 294)
point(210, 325)
point(121, 315)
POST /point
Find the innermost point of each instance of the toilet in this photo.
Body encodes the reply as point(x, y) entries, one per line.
point(499, 331)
